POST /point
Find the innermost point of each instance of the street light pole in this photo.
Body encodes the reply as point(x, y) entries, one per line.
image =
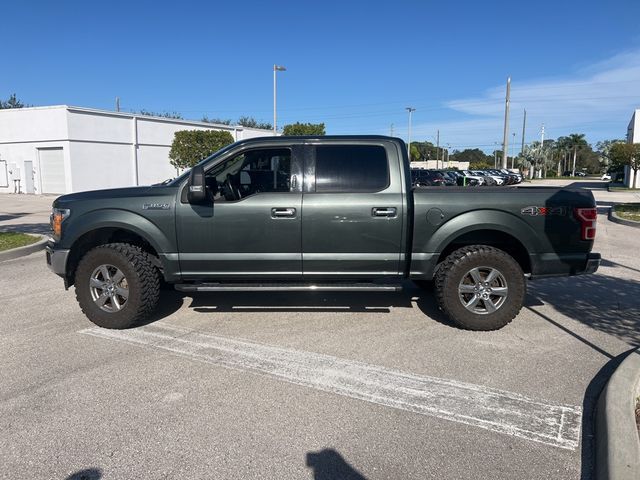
point(505, 140)
point(410, 110)
point(276, 68)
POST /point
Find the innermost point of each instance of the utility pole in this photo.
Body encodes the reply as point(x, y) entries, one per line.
point(410, 110)
point(391, 130)
point(276, 69)
point(513, 157)
point(524, 124)
point(505, 138)
point(117, 104)
point(437, 148)
point(542, 144)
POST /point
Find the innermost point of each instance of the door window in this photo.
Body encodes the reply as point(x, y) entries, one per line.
point(351, 168)
point(249, 173)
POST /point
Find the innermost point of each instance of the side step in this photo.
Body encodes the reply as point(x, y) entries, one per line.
point(288, 287)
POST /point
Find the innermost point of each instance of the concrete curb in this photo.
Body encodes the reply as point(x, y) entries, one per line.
point(616, 219)
point(617, 441)
point(26, 250)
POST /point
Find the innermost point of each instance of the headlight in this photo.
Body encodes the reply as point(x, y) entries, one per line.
point(57, 217)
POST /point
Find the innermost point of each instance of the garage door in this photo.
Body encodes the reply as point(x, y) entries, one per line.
point(52, 170)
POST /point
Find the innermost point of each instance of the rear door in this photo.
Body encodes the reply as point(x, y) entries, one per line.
point(353, 211)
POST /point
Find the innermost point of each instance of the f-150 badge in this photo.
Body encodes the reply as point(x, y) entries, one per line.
point(543, 211)
point(156, 206)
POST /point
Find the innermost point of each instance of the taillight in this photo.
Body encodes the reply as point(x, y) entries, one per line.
point(587, 218)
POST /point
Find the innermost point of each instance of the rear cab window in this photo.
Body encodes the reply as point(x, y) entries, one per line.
point(351, 168)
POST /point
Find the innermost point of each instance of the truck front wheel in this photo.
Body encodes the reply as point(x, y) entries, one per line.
point(117, 285)
point(480, 287)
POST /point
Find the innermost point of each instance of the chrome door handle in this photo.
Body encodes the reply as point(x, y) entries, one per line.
point(384, 212)
point(283, 212)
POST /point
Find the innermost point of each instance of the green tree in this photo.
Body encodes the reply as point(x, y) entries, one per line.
point(604, 151)
point(149, 113)
point(11, 102)
point(574, 142)
point(304, 129)
point(219, 121)
point(415, 153)
point(623, 154)
point(191, 146)
point(251, 122)
point(426, 151)
point(477, 158)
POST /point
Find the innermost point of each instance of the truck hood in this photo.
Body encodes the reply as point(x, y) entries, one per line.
point(113, 193)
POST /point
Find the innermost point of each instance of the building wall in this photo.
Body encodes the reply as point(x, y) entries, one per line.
point(101, 149)
point(633, 130)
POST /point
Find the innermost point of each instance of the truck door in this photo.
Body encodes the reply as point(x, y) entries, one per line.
point(251, 228)
point(353, 212)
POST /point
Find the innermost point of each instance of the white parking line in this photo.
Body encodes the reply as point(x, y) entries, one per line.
point(488, 408)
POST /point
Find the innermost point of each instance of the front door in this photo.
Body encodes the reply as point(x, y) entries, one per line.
point(251, 227)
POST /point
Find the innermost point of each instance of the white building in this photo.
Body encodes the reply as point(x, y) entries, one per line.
point(633, 136)
point(62, 149)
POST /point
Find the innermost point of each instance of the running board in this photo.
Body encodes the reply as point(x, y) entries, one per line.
point(287, 287)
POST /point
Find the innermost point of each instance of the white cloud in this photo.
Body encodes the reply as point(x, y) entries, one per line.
point(597, 100)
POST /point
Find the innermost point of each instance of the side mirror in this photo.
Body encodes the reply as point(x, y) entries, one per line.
point(197, 189)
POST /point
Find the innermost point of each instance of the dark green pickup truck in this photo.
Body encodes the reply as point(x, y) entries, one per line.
point(309, 213)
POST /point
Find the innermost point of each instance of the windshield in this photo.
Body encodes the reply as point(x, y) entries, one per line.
point(185, 174)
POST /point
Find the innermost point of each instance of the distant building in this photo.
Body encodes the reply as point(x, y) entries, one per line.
point(633, 136)
point(441, 165)
point(62, 149)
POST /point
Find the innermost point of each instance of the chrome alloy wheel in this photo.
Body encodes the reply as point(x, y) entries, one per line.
point(109, 288)
point(483, 290)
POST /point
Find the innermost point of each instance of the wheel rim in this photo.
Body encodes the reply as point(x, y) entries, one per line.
point(483, 290)
point(109, 288)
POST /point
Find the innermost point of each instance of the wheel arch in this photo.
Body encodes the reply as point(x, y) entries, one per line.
point(101, 236)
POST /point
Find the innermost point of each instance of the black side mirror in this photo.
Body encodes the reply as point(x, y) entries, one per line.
point(197, 189)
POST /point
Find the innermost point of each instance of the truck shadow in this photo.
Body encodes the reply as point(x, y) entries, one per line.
point(241, 302)
point(328, 464)
point(604, 303)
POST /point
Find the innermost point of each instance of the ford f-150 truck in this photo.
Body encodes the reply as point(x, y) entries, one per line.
point(317, 213)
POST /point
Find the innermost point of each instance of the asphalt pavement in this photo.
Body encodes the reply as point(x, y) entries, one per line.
point(309, 385)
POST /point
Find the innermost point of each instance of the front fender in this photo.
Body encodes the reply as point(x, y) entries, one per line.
point(117, 218)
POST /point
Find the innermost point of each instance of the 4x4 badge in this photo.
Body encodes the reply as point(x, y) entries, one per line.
point(543, 211)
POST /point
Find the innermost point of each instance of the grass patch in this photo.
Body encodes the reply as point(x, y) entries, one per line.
point(9, 240)
point(628, 211)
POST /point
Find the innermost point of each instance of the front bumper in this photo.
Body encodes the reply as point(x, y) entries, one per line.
point(57, 260)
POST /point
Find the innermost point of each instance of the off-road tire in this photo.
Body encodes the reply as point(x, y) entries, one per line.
point(143, 283)
point(458, 265)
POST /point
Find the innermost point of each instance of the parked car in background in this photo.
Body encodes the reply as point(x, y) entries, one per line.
point(606, 176)
point(479, 178)
point(462, 180)
point(450, 178)
point(426, 178)
point(515, 173)
point(488, 179)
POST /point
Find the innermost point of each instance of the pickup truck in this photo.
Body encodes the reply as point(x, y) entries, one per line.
point(317, 214)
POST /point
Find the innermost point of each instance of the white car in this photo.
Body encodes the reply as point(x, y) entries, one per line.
point(606, 176)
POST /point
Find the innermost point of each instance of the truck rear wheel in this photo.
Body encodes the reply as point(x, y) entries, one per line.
point(117, 286)
point(480, 287)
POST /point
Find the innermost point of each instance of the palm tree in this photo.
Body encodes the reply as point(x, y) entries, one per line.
point(574, 142)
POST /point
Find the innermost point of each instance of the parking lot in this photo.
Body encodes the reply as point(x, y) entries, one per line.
point(309, 385)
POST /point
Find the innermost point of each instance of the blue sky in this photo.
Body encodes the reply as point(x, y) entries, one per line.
point(575, 65)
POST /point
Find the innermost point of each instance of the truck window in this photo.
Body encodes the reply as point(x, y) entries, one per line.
point(351, 168)
point(251, 172)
